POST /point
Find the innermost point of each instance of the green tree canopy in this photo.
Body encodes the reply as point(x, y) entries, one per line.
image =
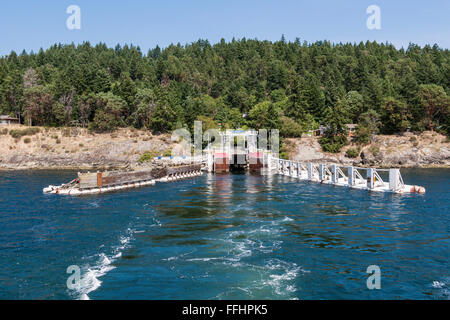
point(171, 87)
point(435, 104)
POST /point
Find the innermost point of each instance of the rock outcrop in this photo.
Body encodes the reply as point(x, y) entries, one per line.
point(429, 149)
point(75, 148)
point(78, 149)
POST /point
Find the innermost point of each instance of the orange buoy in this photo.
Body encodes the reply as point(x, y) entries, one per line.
point(413, 189)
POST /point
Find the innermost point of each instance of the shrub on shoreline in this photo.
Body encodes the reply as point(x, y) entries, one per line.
point(352, 152)
point(17, 134)
point(375, 150)
point(333, 144)
point(148, 156)
point(167, 153)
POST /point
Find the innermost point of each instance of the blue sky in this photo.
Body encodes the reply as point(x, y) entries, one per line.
point(31, 25)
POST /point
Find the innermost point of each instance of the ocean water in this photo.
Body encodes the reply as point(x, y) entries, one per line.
point(236, 236)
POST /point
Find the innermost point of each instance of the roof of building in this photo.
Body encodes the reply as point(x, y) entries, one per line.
point(4, 117)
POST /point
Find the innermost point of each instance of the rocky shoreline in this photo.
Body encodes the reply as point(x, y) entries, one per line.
point(426, 150)
point(78, 149)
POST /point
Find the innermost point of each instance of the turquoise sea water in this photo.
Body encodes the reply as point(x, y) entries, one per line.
point(224, 237)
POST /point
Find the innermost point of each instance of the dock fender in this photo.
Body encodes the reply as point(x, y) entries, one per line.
point(420, 190)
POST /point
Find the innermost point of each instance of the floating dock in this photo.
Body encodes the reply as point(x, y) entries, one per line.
point(102, 182)
point(258, 160)
point(247, 155)
point(346, 176)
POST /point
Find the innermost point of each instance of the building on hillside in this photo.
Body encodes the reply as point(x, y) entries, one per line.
point(317, 132)
point(7, 120)
point(322, 129)
point(351, 127)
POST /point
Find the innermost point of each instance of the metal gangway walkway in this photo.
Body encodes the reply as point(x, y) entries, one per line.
point(345, 176)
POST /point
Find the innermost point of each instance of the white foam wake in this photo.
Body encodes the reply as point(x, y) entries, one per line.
point(443, 287)
point(438, 284)
point(281, 276)
point(90, 279)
